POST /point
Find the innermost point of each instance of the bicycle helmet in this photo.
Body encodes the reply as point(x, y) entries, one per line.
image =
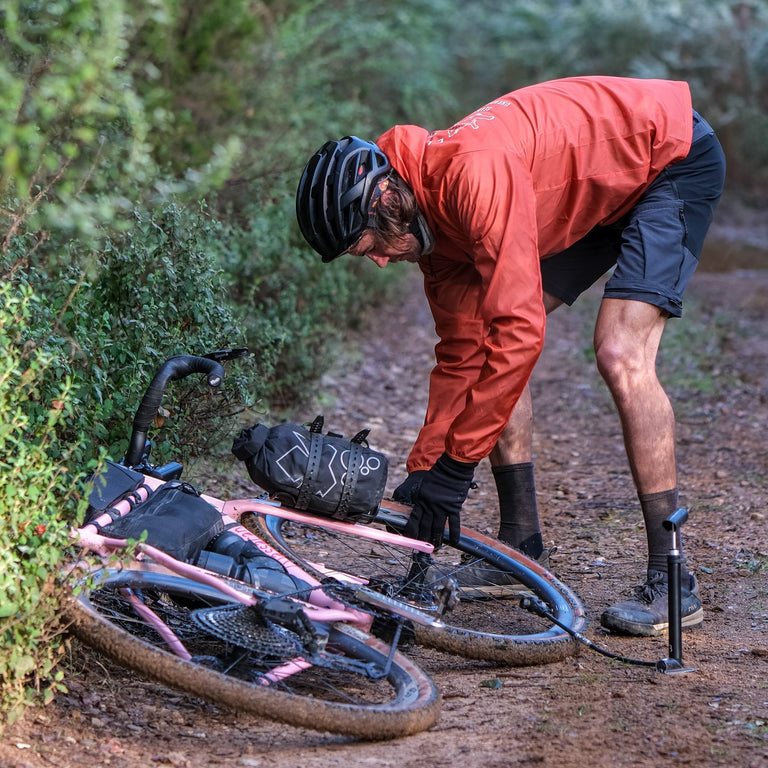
point(335, 192)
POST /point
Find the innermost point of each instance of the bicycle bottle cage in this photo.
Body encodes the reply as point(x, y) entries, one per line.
point(306, 470)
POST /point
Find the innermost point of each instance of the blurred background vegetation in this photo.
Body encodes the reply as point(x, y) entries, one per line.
point(150, 153)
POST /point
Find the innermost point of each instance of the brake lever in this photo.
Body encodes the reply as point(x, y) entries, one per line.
point(222, 355)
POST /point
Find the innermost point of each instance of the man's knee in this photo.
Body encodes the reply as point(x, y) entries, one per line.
point(627, 336)
point(620, 361)
point(611, 359)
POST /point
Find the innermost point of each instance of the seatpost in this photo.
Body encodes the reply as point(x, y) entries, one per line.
point(674, 566)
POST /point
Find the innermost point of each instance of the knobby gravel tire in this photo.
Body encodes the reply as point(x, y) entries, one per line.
point(410, 702)
point(489, 629)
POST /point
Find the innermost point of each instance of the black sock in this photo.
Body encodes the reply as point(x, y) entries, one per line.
point(657, 507)
point(517, 505)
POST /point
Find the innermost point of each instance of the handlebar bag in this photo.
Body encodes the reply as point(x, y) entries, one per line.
point(328, 475)
point(177, 520)
point(112, 484)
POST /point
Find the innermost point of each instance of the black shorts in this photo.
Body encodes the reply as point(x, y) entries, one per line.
point(655, 248)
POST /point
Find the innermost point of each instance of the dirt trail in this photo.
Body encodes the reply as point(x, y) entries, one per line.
point(583, 711)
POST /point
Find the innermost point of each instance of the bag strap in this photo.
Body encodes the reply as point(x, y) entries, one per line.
point(309, 486)
point(133, 499)
point(354, 466)
point(361, 437)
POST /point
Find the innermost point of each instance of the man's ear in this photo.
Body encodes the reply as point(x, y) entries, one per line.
point(392, 202)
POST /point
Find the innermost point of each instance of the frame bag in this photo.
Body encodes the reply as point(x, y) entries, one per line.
point(306, 470)
point(175, 518)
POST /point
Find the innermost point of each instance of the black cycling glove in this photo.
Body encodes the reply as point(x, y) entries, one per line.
point(443, 490)
point(407, 491)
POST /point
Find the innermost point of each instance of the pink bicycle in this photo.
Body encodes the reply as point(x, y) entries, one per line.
point(304, 625)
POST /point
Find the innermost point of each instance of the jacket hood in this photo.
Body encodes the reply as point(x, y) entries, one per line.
point(404, 146)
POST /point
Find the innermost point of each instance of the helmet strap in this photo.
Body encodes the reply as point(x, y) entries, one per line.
point(418, 226)
point(421, 231)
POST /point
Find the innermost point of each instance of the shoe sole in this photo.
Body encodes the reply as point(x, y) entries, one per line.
point(649, 630)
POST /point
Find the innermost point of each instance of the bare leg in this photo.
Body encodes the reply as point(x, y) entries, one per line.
point(514, 445)
point(627, 337)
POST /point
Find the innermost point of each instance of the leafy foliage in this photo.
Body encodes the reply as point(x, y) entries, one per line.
point(38, 496)
point(154, 292)
point(291, 293)
point(76, 131)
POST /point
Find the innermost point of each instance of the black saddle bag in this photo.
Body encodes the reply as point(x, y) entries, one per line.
point(306, 470)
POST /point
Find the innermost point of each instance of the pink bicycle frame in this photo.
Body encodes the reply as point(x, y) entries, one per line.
point(320, 607)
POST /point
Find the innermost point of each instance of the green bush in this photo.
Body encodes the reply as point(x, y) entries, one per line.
point(84, 116)
point(114, 315)
point(40, 496)
point(157, 292)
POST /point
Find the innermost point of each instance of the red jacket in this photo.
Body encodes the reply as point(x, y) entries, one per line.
point(520, 179)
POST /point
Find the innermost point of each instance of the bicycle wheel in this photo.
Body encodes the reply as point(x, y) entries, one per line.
point(351, 690)
point(492, 628)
